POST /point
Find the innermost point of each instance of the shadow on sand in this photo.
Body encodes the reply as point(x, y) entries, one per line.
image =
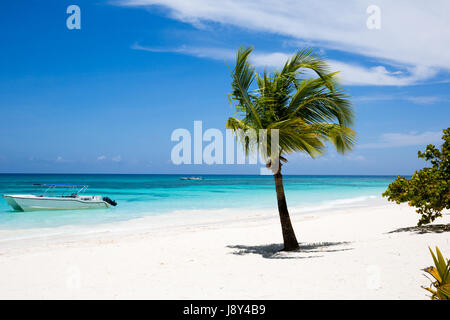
point(434, 228)
point(307, 250)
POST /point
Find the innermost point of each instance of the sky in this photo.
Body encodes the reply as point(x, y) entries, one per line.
point(107, 97)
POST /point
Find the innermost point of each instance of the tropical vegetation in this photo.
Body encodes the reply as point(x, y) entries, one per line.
point(429, 188)
point(440, 286)
point(304, 111)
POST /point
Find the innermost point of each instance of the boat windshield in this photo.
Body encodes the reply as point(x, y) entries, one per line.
point(64, 190)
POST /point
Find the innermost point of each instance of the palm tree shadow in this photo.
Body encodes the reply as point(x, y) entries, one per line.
point(274, 250)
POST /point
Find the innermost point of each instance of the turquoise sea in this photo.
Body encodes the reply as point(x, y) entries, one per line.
point(146, 195)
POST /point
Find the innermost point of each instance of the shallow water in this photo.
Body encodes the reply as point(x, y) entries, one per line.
point(147, 195)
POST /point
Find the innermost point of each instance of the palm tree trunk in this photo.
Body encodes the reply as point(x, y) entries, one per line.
point(290, 241)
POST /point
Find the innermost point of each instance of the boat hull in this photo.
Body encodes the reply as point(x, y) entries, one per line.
point(34, 203)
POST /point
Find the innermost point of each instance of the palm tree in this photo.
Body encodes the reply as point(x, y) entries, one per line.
point(306, 113)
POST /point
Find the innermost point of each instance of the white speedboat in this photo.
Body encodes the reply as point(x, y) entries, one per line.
point(71, 198)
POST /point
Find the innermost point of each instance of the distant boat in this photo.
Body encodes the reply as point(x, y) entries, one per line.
point(191, 178)
point(71, 198)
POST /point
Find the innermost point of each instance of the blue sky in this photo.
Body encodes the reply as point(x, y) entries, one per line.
point(106, 98)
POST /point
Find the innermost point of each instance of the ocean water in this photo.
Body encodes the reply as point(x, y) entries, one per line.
point(147, 195)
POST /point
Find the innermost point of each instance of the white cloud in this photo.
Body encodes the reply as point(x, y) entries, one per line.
point(58, 159)
point(201, 52)
point(388, 140)
point(412, 36)
point(355, 157)
point(414, 99)
point(351, 74)
point(100, 158)
point(426, 99)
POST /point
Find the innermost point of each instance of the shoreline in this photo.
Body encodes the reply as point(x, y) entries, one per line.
point(21, 237)
point(346, 254)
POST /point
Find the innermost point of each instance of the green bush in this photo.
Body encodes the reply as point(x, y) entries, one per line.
point(428, 189)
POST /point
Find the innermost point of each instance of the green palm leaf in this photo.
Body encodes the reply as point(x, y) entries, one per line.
point(308, 112)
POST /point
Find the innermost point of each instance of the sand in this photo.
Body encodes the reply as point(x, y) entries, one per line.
point(345, 254)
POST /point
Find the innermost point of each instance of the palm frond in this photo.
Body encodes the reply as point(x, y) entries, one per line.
point(308, 59)
point(343, 138)
point(243, 76)
point(243, 135)
point(313, 102)
point(295, 135)
point(306, 113)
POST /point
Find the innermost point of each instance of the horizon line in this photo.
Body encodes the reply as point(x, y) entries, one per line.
point(209, 174)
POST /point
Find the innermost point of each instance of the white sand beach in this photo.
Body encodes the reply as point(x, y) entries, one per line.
point(346, 254)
